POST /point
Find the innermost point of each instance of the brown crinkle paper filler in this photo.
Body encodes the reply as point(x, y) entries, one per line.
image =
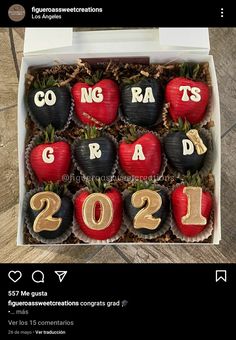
point(122, 73)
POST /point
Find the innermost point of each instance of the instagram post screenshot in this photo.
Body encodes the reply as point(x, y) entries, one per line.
point(118, 158)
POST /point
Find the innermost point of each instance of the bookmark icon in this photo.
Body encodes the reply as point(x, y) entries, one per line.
point(61, 274)
point(221, 275)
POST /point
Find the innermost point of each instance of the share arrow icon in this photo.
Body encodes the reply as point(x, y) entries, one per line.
point(61, 274)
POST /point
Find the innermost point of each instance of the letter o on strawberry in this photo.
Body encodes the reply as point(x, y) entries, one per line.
point(50, 106)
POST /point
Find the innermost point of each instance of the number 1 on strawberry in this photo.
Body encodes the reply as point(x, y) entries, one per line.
point(194, 214)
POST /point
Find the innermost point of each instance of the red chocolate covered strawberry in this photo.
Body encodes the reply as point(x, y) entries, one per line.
point(140, 157)
point(191, 207)
point(51, 159)
point(98, 211)
point(187, 97)
point(96, 104)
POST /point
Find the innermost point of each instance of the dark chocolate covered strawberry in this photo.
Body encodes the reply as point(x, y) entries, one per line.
point(95, 153)
point(142, 102)
point(49, 104)
point(185, 148)
point(140, 157)
point(50, 160)
point(96, 104)
point(98, 211)
point(50, 212)
point(152, 203)
point(191, 207)
point(187, 97)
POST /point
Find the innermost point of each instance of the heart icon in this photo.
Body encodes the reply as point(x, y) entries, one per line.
point(15, 275)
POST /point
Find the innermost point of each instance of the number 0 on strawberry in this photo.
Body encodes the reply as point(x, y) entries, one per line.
point(98, 211)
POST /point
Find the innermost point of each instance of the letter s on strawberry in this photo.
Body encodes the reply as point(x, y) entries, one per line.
point(98, 104)
point(187, 98)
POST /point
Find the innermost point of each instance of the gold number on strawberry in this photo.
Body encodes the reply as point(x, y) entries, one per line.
point(146, 207)
point(187, 98)
point(140, 157)
point(142, 102)
point(50, 212)
point(191, 207)
point(49, 104)
point(95, 153)
point(96, 102)
point(44, 220)
point(98, 211)
point(50, 160)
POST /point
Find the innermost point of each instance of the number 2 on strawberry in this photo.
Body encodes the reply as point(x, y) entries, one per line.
point(146, 209)
point(150, 202)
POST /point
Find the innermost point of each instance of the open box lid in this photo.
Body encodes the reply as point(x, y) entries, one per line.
point(64, 40)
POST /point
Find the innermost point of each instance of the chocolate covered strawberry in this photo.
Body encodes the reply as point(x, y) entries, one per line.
point(185, 148)
point(49, 104)
point(95, 154)
point(50, 160)
point(140, 157)
point(187, 98)
point(96, 104)
point(152, 198)
point(191, 207)
point(98, 211)
point(142, 101)
point(58, 212)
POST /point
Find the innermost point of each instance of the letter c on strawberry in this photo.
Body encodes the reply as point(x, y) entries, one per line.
point(48, 98)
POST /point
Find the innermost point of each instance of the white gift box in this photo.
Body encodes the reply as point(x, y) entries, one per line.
point(49, 46)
